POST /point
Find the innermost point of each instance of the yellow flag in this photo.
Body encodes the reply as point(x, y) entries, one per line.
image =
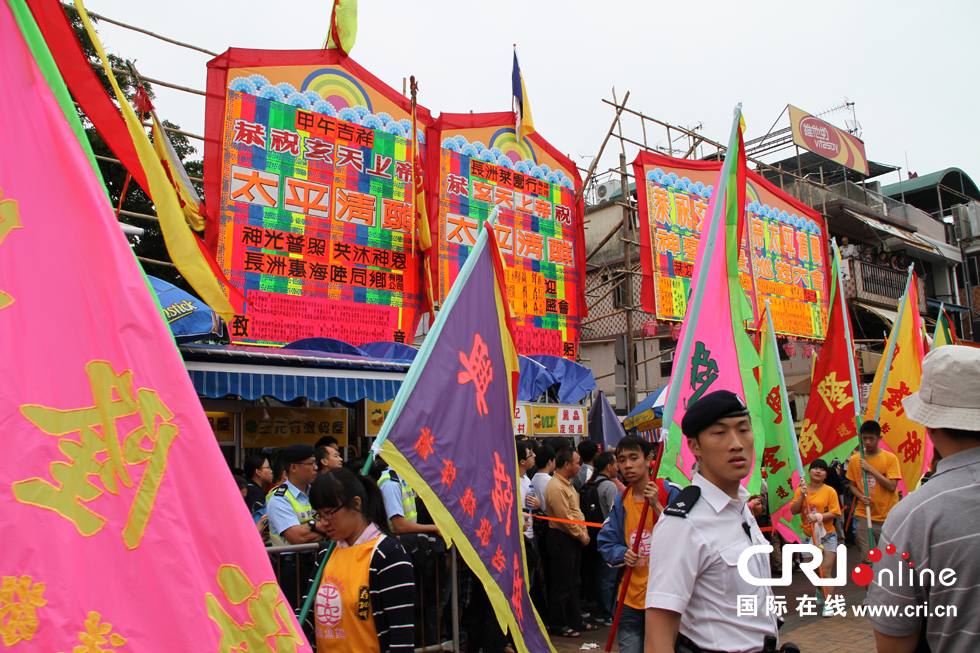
point(190, 201)
point(944, 332)
point(180, 240)
point(343, 26)
point(903, 437)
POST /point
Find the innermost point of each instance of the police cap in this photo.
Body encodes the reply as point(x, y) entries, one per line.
point(297, 453)
point(709, 409)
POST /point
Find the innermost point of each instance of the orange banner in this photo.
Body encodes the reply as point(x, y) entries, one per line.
point(812, 133)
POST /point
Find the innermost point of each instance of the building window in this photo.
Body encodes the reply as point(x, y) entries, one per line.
point(619, 294)
point(971, 265)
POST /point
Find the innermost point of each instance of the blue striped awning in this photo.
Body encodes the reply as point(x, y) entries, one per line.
point(216, 380)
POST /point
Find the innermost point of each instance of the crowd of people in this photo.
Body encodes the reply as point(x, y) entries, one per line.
point(582, 511)
point(876, 255)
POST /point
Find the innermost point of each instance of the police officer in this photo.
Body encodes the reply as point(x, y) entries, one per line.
point(291, 516)
point(696, 599)
point(400, 507)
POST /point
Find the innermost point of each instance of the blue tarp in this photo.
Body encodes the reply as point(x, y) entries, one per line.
point(329, 345)
point(535, 379)
point(390, 351)
point(604, 425)
point(189, 318)
point(576, 380)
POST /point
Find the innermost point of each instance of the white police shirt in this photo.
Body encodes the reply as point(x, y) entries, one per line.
point(694, 571)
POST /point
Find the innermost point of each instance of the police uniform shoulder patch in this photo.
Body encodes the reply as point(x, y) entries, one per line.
point(280, 491)
point(682, 505)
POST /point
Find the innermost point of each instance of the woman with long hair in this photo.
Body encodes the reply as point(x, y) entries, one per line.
point(365, 599)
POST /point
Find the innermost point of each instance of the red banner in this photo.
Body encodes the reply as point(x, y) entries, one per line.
point(782, 257)
point(309, 163)
point(829, 422)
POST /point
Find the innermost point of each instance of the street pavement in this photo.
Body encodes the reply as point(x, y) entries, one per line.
point(813, 634)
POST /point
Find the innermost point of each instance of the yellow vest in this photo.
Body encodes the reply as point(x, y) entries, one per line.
point(304, 512)
point(343, 618)
point(408, 496)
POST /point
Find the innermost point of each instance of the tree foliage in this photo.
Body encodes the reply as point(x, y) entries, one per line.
point(136, 200)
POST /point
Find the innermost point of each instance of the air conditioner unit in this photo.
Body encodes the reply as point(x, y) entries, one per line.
point(973, 209)
point(964, 224)
point(604, 191)
point(667, 358)
point(870, 361)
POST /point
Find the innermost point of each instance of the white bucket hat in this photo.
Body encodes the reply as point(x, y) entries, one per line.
point(949, 395)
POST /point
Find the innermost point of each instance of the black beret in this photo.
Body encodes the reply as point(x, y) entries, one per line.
point(709, 409)
point(297, 453)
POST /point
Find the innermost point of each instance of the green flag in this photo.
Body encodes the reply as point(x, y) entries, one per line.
point(781, 454)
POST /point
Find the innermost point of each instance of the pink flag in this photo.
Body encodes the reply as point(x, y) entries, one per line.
point(714, 351)
point(124, 525)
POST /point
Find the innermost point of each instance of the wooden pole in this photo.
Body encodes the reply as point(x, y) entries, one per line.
point(145, 31)
point(628, 295)
point(595, 162)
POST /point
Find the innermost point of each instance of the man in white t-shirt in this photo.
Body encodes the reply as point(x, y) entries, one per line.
point(525, 461)
point(545, 460)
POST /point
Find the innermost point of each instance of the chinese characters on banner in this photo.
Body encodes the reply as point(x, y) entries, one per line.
point(316, 200)
point(281, 427)
point(534, 419)
point(481, 166)
point(782, 257)
point(108, 432)
point(903, 437)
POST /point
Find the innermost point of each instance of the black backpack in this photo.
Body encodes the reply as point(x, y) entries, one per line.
point(590, 504)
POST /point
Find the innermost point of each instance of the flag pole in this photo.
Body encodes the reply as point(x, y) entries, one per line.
point(415, 149)
point(939, 324)
point(784, 393)
point(893, 340)
point(855, 392)
point(717, 222)
point(655, 470)
point(410, 380)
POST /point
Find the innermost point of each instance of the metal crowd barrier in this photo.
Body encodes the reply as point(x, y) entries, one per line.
point(275, 554)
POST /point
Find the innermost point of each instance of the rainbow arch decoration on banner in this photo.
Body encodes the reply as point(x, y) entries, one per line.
point(479, 165)
point(338, 87)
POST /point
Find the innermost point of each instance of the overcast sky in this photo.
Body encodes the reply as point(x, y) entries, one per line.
point(911, 68)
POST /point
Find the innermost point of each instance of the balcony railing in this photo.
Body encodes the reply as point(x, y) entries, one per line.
point(879, 285)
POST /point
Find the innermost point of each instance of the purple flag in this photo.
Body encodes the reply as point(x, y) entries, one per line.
point(450, 435)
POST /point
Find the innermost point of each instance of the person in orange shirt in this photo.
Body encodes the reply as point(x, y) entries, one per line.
point(883, 474)
point(619, 532)
point(365, 599)
point(824, 508)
